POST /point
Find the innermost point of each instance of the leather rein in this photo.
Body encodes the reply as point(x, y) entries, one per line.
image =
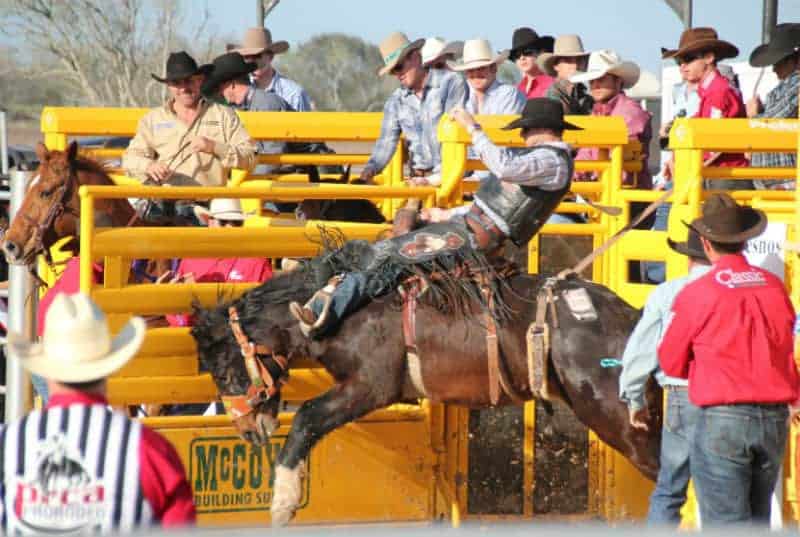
point(267, 370)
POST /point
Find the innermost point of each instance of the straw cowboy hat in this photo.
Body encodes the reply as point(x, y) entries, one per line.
point(258, 40)
point(566, 46)
point(77, 345)
point(477, 53)
point(394, 50)
point(435, 49)
point(604, 62)
point(220, 209)
point(692, 247)
point(542, 113)
point(226, 67)
point(181, 66)
point(695, 40)
point(784, 41)
point(727, 222)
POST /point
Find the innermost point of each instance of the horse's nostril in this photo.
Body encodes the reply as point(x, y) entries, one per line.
point(11, 250)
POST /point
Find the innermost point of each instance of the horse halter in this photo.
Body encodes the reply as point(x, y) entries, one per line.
point(55, 210)
point(267, 371)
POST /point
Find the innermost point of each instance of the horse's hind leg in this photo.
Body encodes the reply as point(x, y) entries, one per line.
point(317, 417)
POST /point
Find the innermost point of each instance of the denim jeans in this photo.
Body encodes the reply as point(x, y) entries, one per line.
point(736, 458)
point(673, 476)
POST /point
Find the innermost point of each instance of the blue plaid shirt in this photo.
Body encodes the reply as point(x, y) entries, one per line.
point(499, 99)
point(290, 91)
point(417, 119)
point(781, 103)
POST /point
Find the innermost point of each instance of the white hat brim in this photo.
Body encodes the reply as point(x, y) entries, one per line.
point(203, 214)
point(627, 71)
point(124, 346)
point(477, 64)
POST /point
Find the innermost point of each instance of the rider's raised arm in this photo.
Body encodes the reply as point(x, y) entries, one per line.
point(386, 144)
point(543, 168)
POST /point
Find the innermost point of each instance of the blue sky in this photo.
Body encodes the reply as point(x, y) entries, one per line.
point(635, 28)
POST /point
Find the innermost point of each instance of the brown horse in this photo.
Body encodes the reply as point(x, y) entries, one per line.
point(368, 361)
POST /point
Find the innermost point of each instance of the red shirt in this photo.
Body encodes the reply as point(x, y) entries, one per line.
point(69, 282)
point(731, 335)
point(719, 99)
point(162, 476)
point(536, 86)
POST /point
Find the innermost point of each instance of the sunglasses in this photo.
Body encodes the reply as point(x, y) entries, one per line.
point(688, 58)
point(514, 56)
point(232, 223)
point(399, 67)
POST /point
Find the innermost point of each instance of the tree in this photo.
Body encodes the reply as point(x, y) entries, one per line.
point(339, 72)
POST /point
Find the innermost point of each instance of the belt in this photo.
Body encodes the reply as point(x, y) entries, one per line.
point(421, 172)
point(675, 387)
point(483, 228)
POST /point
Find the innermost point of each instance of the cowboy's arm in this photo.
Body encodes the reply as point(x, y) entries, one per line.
point(386, 144)
point(538, 168)
point(140, 152)
point(639, 360)
point(237, 150)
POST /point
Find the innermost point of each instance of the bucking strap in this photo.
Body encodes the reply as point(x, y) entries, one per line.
point(538, 341)
point(492, 350)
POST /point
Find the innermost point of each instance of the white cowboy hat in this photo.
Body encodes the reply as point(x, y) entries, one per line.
point(435, 49)
point(477, 53)
point(604, 62)
point(566, 46)
point(77, 346)
point(258, 40)
point(220, 209)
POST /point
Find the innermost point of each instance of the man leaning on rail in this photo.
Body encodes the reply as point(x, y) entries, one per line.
point(414, 109)
point(512, 204)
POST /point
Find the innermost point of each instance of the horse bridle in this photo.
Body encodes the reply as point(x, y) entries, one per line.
point(267, 370)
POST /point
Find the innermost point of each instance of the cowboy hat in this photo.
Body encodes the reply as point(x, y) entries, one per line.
point(696, 40)
point(394, 50)
point(226, 67)
point(181, 66)
point(477, 53)
point(77, 345)
point(566, 46)
point(604, 62)
point(220, 209)
point(784, 41)
point(258, 40)
point(727, 222)
point(435, 49)
point(542, 113)
point(527, 38)
point(692, 247)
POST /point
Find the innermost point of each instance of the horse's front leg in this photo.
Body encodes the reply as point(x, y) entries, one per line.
point(316, 417)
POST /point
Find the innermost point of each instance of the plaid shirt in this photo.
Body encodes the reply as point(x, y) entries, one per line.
point(781, 103)
point(418, 120)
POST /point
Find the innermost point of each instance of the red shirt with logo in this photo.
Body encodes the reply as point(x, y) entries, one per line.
point(537, 86)
point(731, 335)
point(720, 99)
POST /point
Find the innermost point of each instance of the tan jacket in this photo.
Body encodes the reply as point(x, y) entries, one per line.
point(162, 137)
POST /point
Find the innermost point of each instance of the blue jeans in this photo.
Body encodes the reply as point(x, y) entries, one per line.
point(736, 458)
point(673, 475)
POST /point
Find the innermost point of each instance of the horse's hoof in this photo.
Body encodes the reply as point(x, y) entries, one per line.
point(287, 493)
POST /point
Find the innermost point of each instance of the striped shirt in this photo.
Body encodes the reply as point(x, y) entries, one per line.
point(79, 467)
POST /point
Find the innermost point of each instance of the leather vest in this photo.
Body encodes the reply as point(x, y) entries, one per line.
point(523, 208)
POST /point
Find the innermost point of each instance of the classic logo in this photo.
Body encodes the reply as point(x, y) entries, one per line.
point(62, 497)
point(228, 474)
point(731, 279)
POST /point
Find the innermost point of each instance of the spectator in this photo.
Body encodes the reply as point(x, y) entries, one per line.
point(110, 473)
point(567, 58)
point(783, 54)
point(731, 335)
point(487, 95)
point(258, 48)
point(697, 55)
point(639, 363)
point(526, 45)
point(413, 109)
point(435, 53)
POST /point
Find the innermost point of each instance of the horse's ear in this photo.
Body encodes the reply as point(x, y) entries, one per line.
point(42, 153)
point(72, 151)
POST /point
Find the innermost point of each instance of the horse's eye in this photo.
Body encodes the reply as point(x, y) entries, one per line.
point(46, 194)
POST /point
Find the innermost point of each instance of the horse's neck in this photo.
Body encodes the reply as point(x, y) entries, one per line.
point(109, 212)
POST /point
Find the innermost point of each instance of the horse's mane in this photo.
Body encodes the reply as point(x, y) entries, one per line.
point(91, 165)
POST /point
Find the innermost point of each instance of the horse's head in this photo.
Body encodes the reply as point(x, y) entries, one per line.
point(50, 209)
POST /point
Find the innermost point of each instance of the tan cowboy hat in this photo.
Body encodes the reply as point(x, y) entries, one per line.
point(566, 46)
point(725, 221)
point(220, 209)
point(435, 49)
point(258, 40)
point(394, 50)
point(477, 53)
point(696, 40)
point(604, 62)
point(77, 346)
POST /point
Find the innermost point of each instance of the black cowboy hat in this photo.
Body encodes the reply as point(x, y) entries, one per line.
point(528, 38)
point(226, 67)
point(181, 66)
point(727, 222)
point(784, 41)
point(692, 247)
point(542, 113)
